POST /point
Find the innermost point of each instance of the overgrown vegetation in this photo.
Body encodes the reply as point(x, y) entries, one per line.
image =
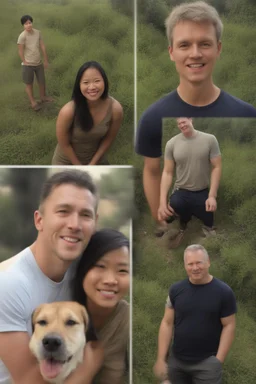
point(74, 31)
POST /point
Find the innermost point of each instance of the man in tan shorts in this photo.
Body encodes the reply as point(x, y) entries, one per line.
point(29, 44)
point(195, 158)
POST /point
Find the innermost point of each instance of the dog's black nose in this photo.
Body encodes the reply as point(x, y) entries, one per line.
point(51, 344)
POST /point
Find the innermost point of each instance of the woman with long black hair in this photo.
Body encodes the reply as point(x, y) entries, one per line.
point(87, 125)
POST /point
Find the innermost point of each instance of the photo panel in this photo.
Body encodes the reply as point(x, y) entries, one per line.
point(68, 35)
point(159, 260)
point(66, 236)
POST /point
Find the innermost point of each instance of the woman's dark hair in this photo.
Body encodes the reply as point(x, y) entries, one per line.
point(82, 112)
point(102, 242)
point(25, 18)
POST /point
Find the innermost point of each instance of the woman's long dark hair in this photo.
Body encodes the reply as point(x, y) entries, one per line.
point(82, 111)
point(102, 242)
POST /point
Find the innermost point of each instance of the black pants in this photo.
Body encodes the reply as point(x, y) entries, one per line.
point(191, 203)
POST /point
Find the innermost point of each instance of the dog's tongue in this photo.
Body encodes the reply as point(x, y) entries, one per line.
point(49, 368)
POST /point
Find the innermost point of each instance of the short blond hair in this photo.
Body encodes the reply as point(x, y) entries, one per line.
point(199, 11)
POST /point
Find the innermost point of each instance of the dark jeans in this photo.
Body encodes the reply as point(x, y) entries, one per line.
point(191, 203)
point(207, 371)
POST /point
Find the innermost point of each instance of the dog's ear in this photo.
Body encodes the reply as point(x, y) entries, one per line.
point(34, 315)
point(85, 317)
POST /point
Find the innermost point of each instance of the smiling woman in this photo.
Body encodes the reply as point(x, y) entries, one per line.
point(101, 283)
point(88, 124)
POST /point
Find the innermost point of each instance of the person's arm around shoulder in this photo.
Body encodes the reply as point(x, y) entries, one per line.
point(43, 49)
point(164, 340)
point(115, 124)
point(87, 370)
point(227, 336)
point(16, 356)
point(165, 209)
point(63, 126)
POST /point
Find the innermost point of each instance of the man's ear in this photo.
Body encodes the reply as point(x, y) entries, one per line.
point(219, 47)
point(85, 318)
point(170, 49)
point(38, 220)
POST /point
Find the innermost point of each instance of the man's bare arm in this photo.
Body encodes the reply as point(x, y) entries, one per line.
point(151, 183)
point(215, 176)
point(164, 340)
point(211, 204)
point(226, 337)
point(21, 53)
point(87, 370)
point(15, 354)
point(165, 210)
point(43, 49)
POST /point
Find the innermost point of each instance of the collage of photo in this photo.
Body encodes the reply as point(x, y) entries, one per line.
point(128, 192)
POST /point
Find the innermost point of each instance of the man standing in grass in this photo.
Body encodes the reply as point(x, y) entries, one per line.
point(29, 44)
point(194, 32)
point(195, 158)
point(200, 313)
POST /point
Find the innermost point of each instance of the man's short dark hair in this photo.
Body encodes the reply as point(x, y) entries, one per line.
point(75, 177)
point(25, 18)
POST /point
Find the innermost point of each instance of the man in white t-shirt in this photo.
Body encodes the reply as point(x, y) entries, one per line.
point(65, 221)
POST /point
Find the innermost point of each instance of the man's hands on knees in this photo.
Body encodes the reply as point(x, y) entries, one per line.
point(165, 211)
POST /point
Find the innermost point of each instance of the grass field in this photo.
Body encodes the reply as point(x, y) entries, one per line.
point(74, 31)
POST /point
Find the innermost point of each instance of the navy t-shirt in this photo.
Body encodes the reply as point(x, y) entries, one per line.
point(149, 131)
point(198, 310)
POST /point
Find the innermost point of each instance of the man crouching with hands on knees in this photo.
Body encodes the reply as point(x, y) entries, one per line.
point(201, 312)
point(65, 221)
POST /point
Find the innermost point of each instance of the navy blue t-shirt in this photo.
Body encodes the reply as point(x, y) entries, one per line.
point(149, 131)
point(198, 310)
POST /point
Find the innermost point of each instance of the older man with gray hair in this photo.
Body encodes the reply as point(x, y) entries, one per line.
point(200, 312)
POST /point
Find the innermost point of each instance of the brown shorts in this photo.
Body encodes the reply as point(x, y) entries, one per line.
point(28, 74)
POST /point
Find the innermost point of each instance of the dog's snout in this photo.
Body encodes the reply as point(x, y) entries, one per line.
point(52, 343)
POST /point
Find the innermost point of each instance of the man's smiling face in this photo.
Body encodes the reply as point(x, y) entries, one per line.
point(194, 50)
point(66, 221)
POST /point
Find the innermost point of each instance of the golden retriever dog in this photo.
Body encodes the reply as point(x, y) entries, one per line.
point(58, 338)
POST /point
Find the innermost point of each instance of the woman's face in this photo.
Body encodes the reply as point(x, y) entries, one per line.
point(108, 281)
point(92, 84)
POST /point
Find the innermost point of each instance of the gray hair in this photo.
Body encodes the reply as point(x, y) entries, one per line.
point(195, 248)
point(199, 11)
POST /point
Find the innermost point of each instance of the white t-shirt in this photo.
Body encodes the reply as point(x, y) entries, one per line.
point(23, 287)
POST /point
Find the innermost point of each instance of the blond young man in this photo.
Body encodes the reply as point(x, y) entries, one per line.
point(65, 221)
point(194, 32)
point(200, 318)
point(29, 44)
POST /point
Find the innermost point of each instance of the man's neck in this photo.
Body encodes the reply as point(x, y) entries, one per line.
point(198, 95)
point(49, 264)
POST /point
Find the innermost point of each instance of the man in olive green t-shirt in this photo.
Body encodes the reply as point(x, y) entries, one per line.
point(29, 44)
point(195, 159)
